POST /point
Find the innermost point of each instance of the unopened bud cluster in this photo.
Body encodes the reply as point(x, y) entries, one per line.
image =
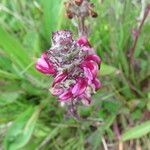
point(74, 66)
point(79, 8)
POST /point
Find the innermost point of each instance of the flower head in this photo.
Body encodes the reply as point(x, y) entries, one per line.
point(74, 68)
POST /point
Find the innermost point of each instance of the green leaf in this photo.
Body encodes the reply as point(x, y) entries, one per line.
point(32, 42)
point(8, 97)
point(8, 75)
point(5, 63)
point(20, 133)
point(107, 70)
point(16, 52)
point(13, 48)
point(137, 132)
point(50, 136)
point(51, 10)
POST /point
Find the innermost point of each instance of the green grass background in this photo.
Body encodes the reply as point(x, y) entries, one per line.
point(31, 119)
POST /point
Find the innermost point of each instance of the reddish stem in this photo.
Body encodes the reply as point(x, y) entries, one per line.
point(132, 50)
point(116, 130)
point(81, 28)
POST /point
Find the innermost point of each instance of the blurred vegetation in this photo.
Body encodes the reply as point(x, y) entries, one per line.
point(31, 119)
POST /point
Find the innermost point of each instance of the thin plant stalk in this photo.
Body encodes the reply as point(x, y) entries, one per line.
point(138, 31)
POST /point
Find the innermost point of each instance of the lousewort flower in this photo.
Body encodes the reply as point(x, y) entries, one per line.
point(74, 66)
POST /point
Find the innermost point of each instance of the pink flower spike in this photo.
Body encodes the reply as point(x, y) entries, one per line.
point(83, 41)
point(43, 66)
point(60, 77)
point(65, 96)
point(92, 66)
point(97, 84)
point(74, 65)
point(93, 57)
point(79, 87)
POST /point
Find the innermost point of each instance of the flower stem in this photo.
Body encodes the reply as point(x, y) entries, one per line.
point(132, 50)
point(81, 27)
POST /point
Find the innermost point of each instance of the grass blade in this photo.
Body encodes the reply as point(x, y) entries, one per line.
point(51, 10)
point(16, 52)
point(137, 132)
point(21, 131)
point(107, 70)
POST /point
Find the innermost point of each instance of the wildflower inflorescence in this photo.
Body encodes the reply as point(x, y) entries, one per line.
point(74, 66)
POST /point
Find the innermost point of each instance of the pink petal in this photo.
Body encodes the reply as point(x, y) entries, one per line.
point(83, 41)
point(86, 48)
point(44, 55)
point(43, 66)
point(56, 91)
point(93, 58)
point(88, 74)
point(65, 96)
point(97, 84)
point(79, 87)
point(42, 63)
point(60, 77)
point(92, 66)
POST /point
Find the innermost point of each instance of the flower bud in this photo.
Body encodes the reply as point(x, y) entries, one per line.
point(92, 5)
point(78, 2)
point(67, 5)
point(83, 41)
point(93, 14)
point(69, 15)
